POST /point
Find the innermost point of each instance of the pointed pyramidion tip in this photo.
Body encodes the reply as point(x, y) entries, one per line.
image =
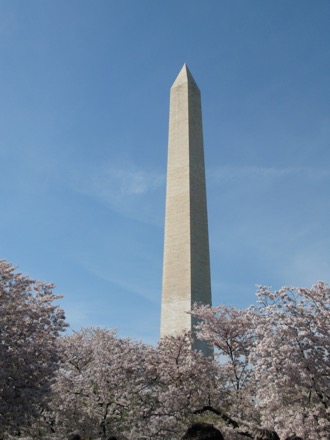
point(184, 76)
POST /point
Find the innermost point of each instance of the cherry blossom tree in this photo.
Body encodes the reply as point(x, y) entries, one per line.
point(111, 386)
point(99, 382)
point(228, 330)
point(30, 324)
point(291, 359)
point(180, 381)
point(274, 362)
point(269, 377)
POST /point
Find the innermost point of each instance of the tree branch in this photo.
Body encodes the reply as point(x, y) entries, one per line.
point(224, 417)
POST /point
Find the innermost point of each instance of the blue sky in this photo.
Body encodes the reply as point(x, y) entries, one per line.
point(84, 100)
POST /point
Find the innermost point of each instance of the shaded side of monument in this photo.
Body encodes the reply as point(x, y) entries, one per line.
point(186, 264)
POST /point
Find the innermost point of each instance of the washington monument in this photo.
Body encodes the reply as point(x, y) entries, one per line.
point(186, 264)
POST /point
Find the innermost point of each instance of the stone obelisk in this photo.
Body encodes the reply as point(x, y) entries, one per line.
point(186, 265)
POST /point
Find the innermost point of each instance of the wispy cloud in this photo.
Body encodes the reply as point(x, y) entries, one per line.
point(120, 188)
point(134, 284)
point(230, 174)
point(272, 223)
point(110, 183)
